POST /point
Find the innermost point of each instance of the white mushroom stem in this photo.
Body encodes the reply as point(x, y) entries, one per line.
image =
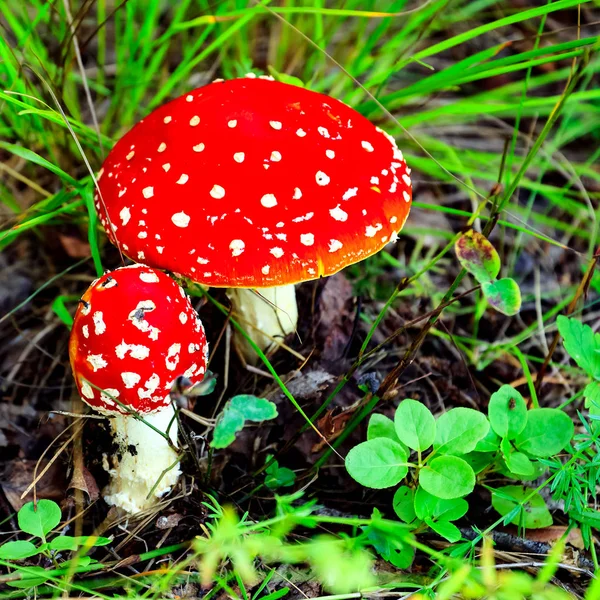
point(147, 466)
point(265, 313)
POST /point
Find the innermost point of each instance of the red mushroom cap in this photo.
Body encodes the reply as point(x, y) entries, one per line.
point(254, 183)
point(135, 331)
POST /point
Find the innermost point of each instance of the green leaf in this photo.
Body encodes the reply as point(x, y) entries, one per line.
point(428, 506)
point(447, 477)
point(490, 443)
point(403, 504)
point(459, 430)
point(389, 542)
point(378, 463)
point(235, 414)
point(40, 520)
point(592, 394)
point(276, 476)
point(32, 577)
point(507, 412)
point(61, 311)
point(381, 427)
point(447, 530)
point(415, 425)
point(582, 344)
point(547, 432)
point(67, 542)
point(504, 295)
point(478, 461)
point(532, 514)
point(519, 464)
point(17, 550)
point(477, 255)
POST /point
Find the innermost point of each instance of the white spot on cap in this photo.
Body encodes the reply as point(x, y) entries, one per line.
point(183, 178)
point(338, 214)
point(99, 324)
point(162, 147)
point(367, 146)
point(166, 167)
point(375, 180)
point(393, 219)
point(160, 249)
point(150, 387)
point(148, 192)
point(142, 235)
point(322, 178)
point(125, 215)
point(237, 247)
point(323, 131)
point(239, 157)
point(202, 261)
point(276, 252)
point(406, 196)
point(183, 318)
point(308, 239)
point(121, 193)
point(406, 179)
point(198, 147)
point(96, 361)
point(217, 192)
point(265, 270)
point(130, 155)
point(275, 156)
point(297, 194)
point(307, 217)
point(149, 277)
point(136, 351)
point(300, 132)
point(167, 119)
point(130, 379)
point(180, 219)
point(268, 201)
point(350, 193)
point(334, 245)
point(330, 153)
point(275, 124)
point(189, 98)
point(371, 230)
point(173, 357)
point(232, 123)
point(86, 331)
point(194, 120)
point(86, 390)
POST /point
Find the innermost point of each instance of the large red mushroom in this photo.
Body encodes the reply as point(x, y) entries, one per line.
point(254, 184)
point(135, 332)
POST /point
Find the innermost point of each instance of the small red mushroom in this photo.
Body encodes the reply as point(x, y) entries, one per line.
point(253, 183)
point(135, 332)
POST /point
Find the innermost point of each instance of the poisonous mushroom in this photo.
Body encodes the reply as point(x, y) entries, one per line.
point(135, 332)
point(254, 184)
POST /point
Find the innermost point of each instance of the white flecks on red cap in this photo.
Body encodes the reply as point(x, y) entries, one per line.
point(235, 169)
point(122, 357)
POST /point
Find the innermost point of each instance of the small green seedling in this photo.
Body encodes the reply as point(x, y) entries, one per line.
point(477, 255)
point(38, 520)
point(583, 346)
point(278, 477)
point(236, 412)
point(437, 461)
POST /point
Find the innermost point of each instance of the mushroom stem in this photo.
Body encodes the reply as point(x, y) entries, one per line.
point(266, 313)
point(147, 466)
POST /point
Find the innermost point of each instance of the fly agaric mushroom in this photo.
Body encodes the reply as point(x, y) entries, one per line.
point(253, 183)
point(134, 332)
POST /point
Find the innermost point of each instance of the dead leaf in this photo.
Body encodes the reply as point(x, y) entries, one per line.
point(74, 247)
point(19, 476)
point(550, 535)
point(331, 426)
point(83, 480)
